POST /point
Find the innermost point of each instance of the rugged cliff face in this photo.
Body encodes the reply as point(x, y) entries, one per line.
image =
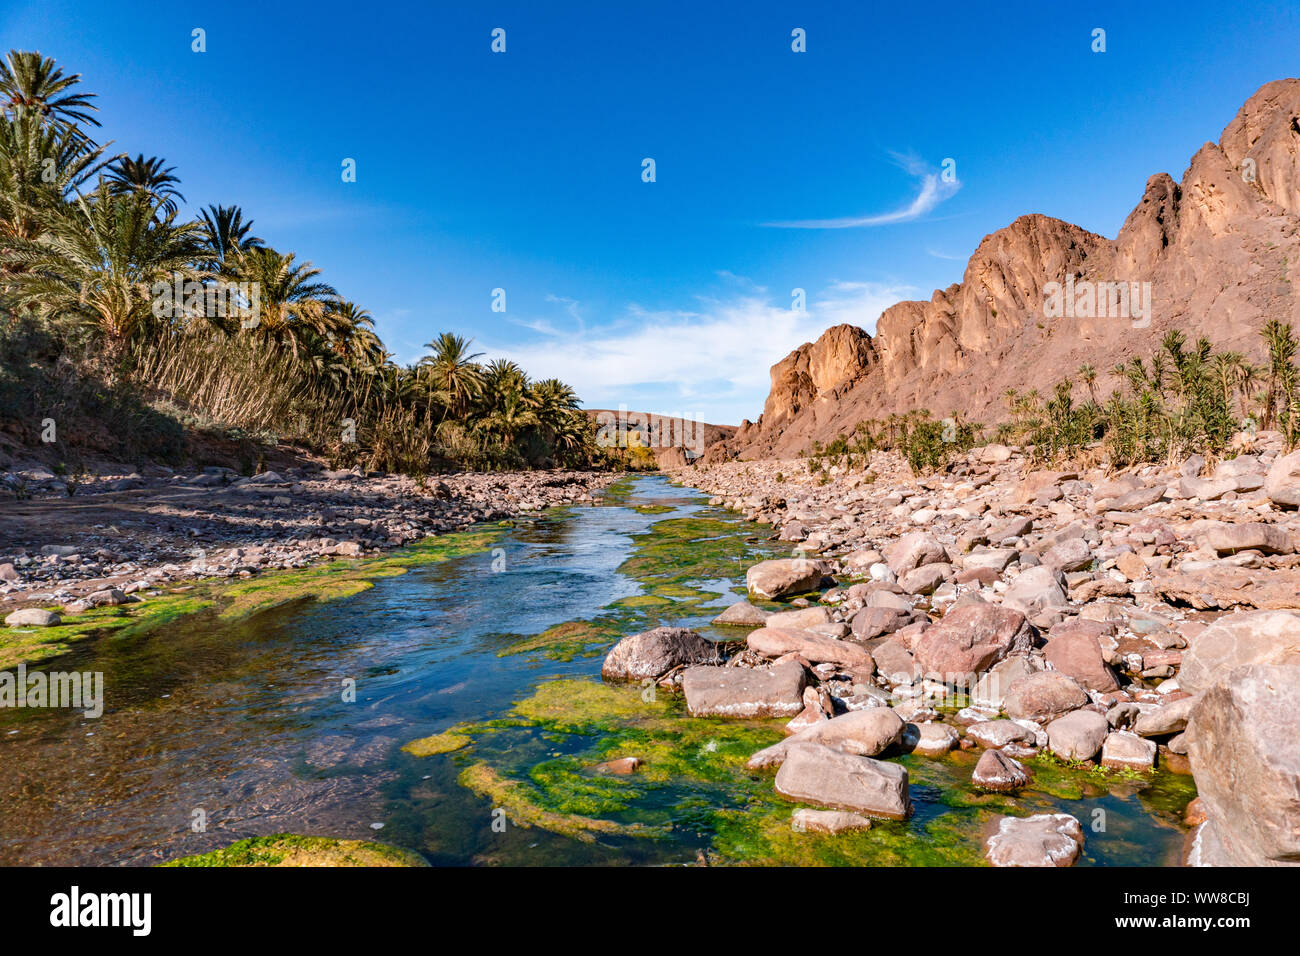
point(1220, 251)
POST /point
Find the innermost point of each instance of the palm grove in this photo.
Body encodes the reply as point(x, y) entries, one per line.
point(88, 241)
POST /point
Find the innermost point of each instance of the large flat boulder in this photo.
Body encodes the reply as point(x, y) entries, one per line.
point(652, 654)
point(781, 577)
point(1251, 536)
point(815, 773)
point(970, 639)
point(803, 617)
point(1237, 640)
point(1227, 587)
point(1046, 839)
point(1244, 746)
point(775, 691)
point(816, 648)
point(866, 732)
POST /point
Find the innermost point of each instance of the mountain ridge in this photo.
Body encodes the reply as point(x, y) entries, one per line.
point(1219, 252)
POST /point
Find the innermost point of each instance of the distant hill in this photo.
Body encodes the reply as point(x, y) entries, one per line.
point(672, 440)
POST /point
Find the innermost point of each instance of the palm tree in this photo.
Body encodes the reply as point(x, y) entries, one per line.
point(42, 165)
point(99, 258)
point(148, 176)
point(32, 84)
point(1088, 375)
point(293, 305)
point(1281, 345)
point(510, 417)
point(501, 377)
point(451, 374)
point(227, 235)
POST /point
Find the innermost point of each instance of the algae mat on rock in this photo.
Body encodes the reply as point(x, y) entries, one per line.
point(287, 849)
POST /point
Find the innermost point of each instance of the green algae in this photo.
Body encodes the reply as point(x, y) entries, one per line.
point(288, 849)
point(523, 807)
point(564, 642)
point(653, 509)
point(692, 780)
point(448, 741)
point(30, 645)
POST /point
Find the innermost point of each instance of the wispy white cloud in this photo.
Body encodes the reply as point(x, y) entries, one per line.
point(712, 360)
point(941, 255)
point(934, 188)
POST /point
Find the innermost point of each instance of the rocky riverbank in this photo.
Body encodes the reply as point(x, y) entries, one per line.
point(123, 534)
point(1112, 620)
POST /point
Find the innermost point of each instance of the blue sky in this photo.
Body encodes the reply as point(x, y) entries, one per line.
point(523, 170)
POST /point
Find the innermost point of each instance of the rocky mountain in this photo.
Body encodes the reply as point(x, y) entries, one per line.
point(1215, 254)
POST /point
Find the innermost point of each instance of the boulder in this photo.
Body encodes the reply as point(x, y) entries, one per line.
point(742, 614)
point(1035, 589)
point(827, 821)
point(815, 648)
point(872, 622)
point(1136, 500)
point(814, 773)
point(866, 732)
point(1282, 485)
point(991, 689)
point(1043, 696)
point(780, 577)
point(913, 550)
point(1237, 640)
point(996, 771)
point(32, 617)
point(1255, 536)
point(1072, 554)
point(1078, 735)
point(930, 739)
point(1207, 489)
point(1244, 746)
point(652, 654)
point(1078, 654)
point(799, 618)
point(894, 663)
point(996, 734)
point(970, 639)
point(1045, 839)
point(1170, 718)
point(925, 579)
point(775, 691)
point(1125, 751)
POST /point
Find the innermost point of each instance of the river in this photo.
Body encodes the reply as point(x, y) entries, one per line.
point(293, 719)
